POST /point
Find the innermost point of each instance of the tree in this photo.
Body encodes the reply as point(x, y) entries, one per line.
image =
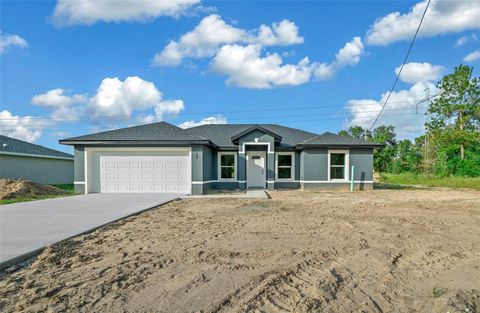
point(357, 132)
point(383, 159)
point(455, 114)
point(408, 157)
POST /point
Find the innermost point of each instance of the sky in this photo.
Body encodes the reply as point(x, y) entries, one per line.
point(76, 67)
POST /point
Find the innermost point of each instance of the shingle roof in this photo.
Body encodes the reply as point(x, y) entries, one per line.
point(221, 134)
point(12, 145)
point(329, 139)
point(161, 131)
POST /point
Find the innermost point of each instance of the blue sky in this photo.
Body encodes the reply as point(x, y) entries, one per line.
point(67, 70)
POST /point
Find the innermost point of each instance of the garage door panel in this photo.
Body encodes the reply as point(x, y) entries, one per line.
point(147, 171)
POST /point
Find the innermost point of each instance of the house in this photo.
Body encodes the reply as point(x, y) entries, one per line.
point(23, 160)
point(161, 157)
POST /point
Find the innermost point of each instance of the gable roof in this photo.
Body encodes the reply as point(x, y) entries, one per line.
point(221, 134)
point(155, 132)
point(9, 145)
point(218, 135)
point(330, 139)
point(252, 128)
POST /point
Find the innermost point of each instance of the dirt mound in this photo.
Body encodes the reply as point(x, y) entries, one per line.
point(16, 188)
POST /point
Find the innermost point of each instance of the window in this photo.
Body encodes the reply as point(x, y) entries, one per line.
point(227, 165)
point(285, 165)
point(338, 165)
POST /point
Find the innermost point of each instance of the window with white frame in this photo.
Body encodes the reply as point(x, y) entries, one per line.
point(227, 165)
point(285, 165)
point(338, 165)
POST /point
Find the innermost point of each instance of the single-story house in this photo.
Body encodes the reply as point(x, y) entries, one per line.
point(161, 157)
point(23, 160)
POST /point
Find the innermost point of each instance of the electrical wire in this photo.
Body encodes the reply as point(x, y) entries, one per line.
point(402, 66)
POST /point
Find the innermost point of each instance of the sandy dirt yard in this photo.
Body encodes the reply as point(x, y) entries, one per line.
point(371, 251)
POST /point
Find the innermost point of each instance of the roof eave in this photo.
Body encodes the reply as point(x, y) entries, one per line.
point(135, 142)
point(373, 145)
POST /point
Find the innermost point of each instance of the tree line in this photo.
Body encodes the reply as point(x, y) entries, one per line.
point(451, 143)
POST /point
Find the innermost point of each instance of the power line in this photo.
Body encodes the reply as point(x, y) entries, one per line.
point(49, 121)
point(210, 112)
point(343, 114)
point(402, 66)
point(60, 127)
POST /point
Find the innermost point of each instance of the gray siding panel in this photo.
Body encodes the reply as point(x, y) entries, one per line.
point(40, 170)
point(197, 163)
point(208, 167)
point(79, 166)
point(362, 159)
point(315, 163)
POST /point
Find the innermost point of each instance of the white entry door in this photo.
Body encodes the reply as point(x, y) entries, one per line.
point(256, 172)
point(143, 171)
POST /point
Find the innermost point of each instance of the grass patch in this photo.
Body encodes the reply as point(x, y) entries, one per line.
point(431, 181)
point(33, 198)
point(68, 188)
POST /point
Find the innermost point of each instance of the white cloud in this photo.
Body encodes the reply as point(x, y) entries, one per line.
point(399, 112)
point(25, 128)
point(414, 72)
point(203, 41)
point(350, 54)
point(115, 98)
point(245, 67)
point(63, 105)
point(10, 41)
point(57, 98)
point(284, 33)
point(213, 32)
point(205, 121)
point(472, 57)
point(88, 12)
point(465, 39)
point(442, 17)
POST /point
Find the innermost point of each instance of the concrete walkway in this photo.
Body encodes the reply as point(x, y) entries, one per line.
point(26, 228)
point(249, 194)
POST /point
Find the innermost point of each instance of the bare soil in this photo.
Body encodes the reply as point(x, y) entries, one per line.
point(371, 251)
point(18, 188)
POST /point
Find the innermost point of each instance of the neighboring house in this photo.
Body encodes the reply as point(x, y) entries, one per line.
point(161, 157)
point(21, 159)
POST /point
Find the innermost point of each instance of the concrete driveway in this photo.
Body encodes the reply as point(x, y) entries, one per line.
point(29, 226)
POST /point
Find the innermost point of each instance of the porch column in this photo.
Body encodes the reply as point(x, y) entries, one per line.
point(270, 170)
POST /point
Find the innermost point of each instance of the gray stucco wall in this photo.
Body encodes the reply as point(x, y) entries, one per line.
point(40, 170)
point(314, 164)
point(363, 161)
point(79, 169)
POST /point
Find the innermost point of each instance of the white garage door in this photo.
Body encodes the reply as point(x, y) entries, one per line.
point(134, 172)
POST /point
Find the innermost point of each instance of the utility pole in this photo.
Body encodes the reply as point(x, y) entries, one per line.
point(425, 158)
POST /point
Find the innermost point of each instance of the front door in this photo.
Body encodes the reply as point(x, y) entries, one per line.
point(256, 174)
